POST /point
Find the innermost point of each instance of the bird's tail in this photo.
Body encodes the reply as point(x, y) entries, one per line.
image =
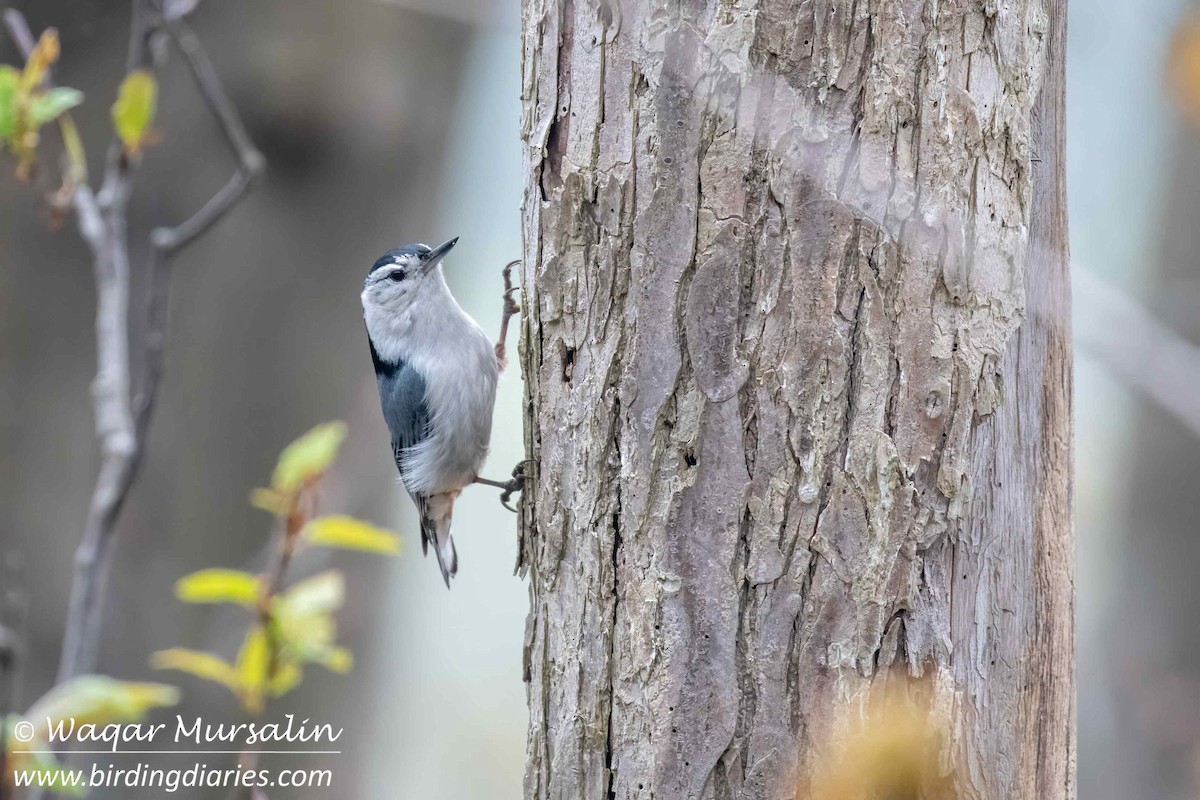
point(436, 515)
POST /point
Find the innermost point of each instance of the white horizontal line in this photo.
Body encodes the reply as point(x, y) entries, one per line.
point(182, 752)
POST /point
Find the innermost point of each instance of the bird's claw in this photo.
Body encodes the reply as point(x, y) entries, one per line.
point(517, 484)
point(510, 307)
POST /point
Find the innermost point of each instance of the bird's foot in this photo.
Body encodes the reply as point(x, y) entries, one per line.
point(510, 307)
point(508, 488)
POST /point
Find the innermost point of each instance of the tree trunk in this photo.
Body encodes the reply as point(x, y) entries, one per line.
point(799, 389)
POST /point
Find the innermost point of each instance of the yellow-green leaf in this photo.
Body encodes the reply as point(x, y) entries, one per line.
point(286, 678)
point(271, 501)
point(339, 659)
point(73, 144)
point(220, 586)
point(194, 662)
point(252, 664)
point(43, 55)
point(10, 80)
point(351, 534)
point(49, 106)
point(100, 700)
point(308, 457)
point(134, 111)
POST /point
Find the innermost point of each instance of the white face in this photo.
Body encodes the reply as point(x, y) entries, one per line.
point(393, 287)
point(400, 287)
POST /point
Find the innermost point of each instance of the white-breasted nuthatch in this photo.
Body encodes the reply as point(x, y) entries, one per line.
point(437, 373)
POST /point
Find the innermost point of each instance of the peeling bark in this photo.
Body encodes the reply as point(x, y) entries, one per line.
point(798, 364)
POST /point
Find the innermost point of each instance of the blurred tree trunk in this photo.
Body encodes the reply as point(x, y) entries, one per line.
point(798, 360)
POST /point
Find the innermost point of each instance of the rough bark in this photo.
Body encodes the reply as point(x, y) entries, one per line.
point(798, 363)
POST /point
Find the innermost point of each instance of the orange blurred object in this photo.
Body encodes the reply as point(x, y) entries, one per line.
point(895, 750)
point(1183, 68)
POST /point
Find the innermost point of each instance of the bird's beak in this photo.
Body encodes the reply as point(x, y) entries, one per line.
point(437, 254)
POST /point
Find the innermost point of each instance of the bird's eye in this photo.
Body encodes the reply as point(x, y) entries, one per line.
point(396, 276)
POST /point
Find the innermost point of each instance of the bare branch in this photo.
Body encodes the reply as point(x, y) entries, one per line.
point(88, 218)
point(121, 449)
point(18, 31)
point(250, 161)
point(122, 422)
point(102, 224)
point(165, 242)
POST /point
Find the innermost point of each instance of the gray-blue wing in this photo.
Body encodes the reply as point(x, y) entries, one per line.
point(403, 396)
point(402, 393)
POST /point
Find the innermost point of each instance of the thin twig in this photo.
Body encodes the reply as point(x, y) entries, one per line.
point(18, 31)
point(287, 538)
point(166, 242)
point(122, 422)
point(250, 161)
point(120, 444)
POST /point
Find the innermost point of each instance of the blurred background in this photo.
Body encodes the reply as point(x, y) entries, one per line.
point(390, 122)
point(383, 123)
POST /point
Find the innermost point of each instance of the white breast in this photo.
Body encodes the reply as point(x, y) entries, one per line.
point(457, 360)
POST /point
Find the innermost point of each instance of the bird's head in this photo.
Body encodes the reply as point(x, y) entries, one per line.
point(402, 276)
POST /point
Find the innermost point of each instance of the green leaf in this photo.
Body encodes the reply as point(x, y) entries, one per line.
point(194, 662)
point(351, 534)
point(220, 586)
point(308, 457)
point(100, 700)
point(10, 80)
point(49, 106)
point(134, 111)
point(254, 660)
